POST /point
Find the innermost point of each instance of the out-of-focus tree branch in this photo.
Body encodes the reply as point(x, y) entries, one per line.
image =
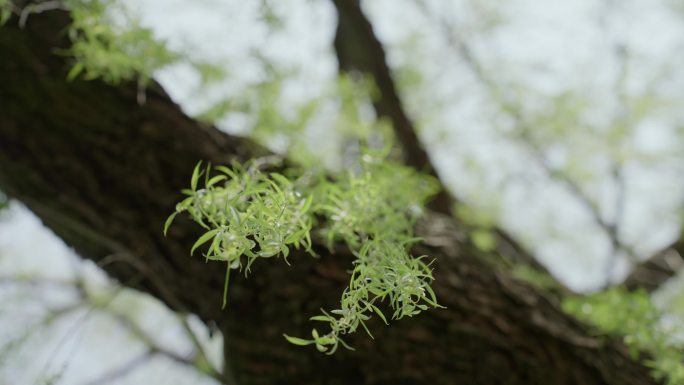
point(359, 50)
point(610, 227)
point(123, 370)
point(91, 302)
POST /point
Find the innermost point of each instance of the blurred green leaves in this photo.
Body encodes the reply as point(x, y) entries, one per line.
point(110, 44)
point(6, 8)
point(110, 50)
point(633, 315)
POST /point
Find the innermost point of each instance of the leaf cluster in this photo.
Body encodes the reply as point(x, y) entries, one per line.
point(6, 8)
point(114, 52)
point(376, 199)
point(250, 214)
point(246, 213)
point(383, 271)
point(372, 209)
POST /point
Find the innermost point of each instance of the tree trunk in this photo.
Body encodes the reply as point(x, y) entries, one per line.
point(104, 172)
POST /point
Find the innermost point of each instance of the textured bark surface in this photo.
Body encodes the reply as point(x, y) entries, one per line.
point(104, 172)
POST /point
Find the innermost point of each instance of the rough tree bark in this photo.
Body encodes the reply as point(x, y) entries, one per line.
point(103, 172)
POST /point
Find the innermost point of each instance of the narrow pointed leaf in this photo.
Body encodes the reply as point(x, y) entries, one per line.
point(298, 341)
point(195, 176)
point(203, 239)
point(168, 222)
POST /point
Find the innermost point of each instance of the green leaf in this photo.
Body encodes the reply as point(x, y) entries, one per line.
point(168, 222)
point(236, 215)
point(214, 248)
point(275, 187)
point(341, 341)
point(433, 298)
point(207, 172)
point(75, 70)
point(203, 239)
point(215, 180)
point(379, 313)
point(283, 181)
point(367, 331)
point(483, 240)
point(307, 204)
point(195, 176)
point(227, 171)
point(298, 341)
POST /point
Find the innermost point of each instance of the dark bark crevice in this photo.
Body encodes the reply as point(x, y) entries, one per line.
point(104, 172)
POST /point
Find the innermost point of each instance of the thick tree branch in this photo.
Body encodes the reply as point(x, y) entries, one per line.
point(652, 273)
point(94, 164)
